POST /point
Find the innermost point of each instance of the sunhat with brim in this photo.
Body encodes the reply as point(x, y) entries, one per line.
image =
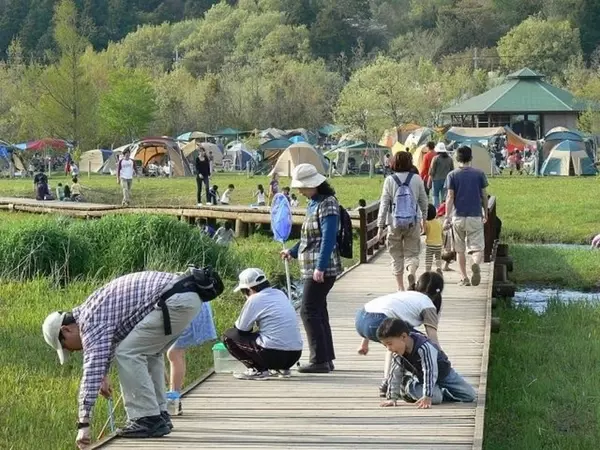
point(250, 278)
point(51, 330)
point(441, 148)
point(306, 176)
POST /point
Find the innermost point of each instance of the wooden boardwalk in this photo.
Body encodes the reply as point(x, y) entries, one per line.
point(341, 410)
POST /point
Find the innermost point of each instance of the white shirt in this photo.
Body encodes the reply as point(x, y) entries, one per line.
point(126, 172)
point(260, 197)
point(275, 316)
point(223, 236)
point(294, 203)
point(407, 306)
point(225, 198)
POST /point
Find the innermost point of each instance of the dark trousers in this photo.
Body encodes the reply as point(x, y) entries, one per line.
point(316, 320)
point(244, 348)
point(200, 182)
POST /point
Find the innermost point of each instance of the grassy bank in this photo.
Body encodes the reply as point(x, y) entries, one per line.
point(576, 269)
point(555, 209)
point(543, 385)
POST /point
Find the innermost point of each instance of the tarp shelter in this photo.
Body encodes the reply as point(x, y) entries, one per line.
point(47, 144)
point(94, 160)
point(228, 132)
point(270, 134)
point(515, 142)
point(481, 158)
point(190, 151)
point(160, 151)
point(239, 155)
point(357, 157)
point(331, 130)
point(568, 158)
point(462, 135)
point(295, 154)
point(198, 135)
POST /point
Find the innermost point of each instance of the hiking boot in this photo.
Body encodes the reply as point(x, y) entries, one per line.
point(315, 368)
point(253, 374)
point(383, 388)
point(167, 417)
point(476, 275)
point(144, 427)
point(464, 282)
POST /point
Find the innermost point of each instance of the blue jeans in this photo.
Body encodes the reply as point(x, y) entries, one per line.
point(453, 388)
point(439, 192)
point(367, 323)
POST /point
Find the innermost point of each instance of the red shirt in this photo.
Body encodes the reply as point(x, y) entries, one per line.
point(427, 159)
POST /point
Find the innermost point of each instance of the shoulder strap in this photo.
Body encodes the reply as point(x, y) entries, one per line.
point(396, 178)
point(319, 208)
point(408, 178)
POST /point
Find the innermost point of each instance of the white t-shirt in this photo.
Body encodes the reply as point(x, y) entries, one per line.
point(408, 306)
point(276, 319)
point(223, 236)
point(126, 172)
point(260, 197)
point(225, 198)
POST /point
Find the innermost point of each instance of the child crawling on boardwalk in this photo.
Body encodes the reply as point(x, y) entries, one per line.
point(421, 373)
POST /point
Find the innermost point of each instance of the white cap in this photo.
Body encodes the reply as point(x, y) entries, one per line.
point(250, 278)
point(441, 148)
point(306, 176)
point(51, 330)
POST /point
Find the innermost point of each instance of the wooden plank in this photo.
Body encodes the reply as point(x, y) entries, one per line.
point(341, 409)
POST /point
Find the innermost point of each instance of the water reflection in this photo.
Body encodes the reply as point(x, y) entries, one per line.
point(537, 299)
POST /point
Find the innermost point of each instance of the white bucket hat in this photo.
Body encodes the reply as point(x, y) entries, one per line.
point(306, 176)
point(51, 330)
point(441, 148)
point(250, 278)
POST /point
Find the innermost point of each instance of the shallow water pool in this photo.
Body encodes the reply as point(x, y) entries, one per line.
point(537, 299)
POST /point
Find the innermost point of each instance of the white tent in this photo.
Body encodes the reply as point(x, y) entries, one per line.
point(295, 154)
point(190, 152)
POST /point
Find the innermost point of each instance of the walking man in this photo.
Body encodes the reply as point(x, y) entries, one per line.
point(466, 213)
point(125, 172)
point(133, 319)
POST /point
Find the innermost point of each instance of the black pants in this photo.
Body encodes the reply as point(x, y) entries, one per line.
point(200, 182)
point(316, 320)
point(244, 348)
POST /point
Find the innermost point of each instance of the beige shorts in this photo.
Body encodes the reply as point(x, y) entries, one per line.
point(404, 247)
point(469, 236)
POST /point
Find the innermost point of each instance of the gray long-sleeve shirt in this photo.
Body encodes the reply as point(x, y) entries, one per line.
point(388, 197)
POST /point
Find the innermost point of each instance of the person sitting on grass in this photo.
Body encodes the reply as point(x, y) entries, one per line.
point(67, 193)
point(421, 372)
point(213, 195)
point(226, 197)
point(225, 234)
point(76, 194)
point(277, 344)
point(419, 307)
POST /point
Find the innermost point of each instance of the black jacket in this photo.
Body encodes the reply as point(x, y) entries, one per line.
point(203, 167)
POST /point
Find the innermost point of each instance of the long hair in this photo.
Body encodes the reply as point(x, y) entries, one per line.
point(325, 189)
point(432, 284)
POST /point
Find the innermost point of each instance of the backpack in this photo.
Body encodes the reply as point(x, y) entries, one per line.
point(344, 235)
point(405, 205)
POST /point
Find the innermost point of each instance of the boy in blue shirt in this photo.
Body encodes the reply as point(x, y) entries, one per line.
point(421, 372)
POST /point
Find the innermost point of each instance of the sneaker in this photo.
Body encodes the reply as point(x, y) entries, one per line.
point(281, 373)
point(167, 418)
point(252, 374)
point(464, 282)
point(315, 368)
point(476, 275)
point(383, 388)
point(199, 204)
point(145, 427)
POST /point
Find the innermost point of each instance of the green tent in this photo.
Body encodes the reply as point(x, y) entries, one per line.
point(228, 132)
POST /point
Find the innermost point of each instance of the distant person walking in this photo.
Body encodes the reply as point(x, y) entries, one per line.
point(125, 172)
point(203, 172)
point(441, 166)
point(466, 213)
point(320, 263)
point(401, 217)
point(427, 160)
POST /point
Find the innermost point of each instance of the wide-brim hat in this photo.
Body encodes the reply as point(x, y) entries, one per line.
point(306, 176)
point(441, 148)
point(51, 331)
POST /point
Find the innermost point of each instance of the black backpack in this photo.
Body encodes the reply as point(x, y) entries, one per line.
point(344, 235)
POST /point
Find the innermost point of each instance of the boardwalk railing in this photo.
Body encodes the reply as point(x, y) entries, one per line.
point(367, 232)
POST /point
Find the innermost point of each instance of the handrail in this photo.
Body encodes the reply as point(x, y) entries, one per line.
point(369, 244)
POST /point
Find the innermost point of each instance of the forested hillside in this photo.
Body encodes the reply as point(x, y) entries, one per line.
point(103, 72)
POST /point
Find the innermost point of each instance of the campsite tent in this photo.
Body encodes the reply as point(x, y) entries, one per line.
point(198, 135)
point(228, 132)
point(419, 137)
point(357, 157)
point(568, 158)
point(296, 154)
point(190, 152)
point(466, 136)
point(160, 151)
point(94, 160)
point(419, 156)
point(558, 135)
point(481, 158)
point(239, 155)
point(8, 155)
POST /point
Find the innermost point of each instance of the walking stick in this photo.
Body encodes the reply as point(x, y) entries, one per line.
point(110, 420)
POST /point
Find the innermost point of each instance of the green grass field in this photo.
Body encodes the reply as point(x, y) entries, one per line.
point(543, 382)
point(532, 209)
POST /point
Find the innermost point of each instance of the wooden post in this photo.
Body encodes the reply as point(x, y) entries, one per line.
point(241, 228)
point(490, 230)
point(362, 235)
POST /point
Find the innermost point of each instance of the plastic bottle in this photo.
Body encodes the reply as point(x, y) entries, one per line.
point(173, 401)
point(220, 356)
